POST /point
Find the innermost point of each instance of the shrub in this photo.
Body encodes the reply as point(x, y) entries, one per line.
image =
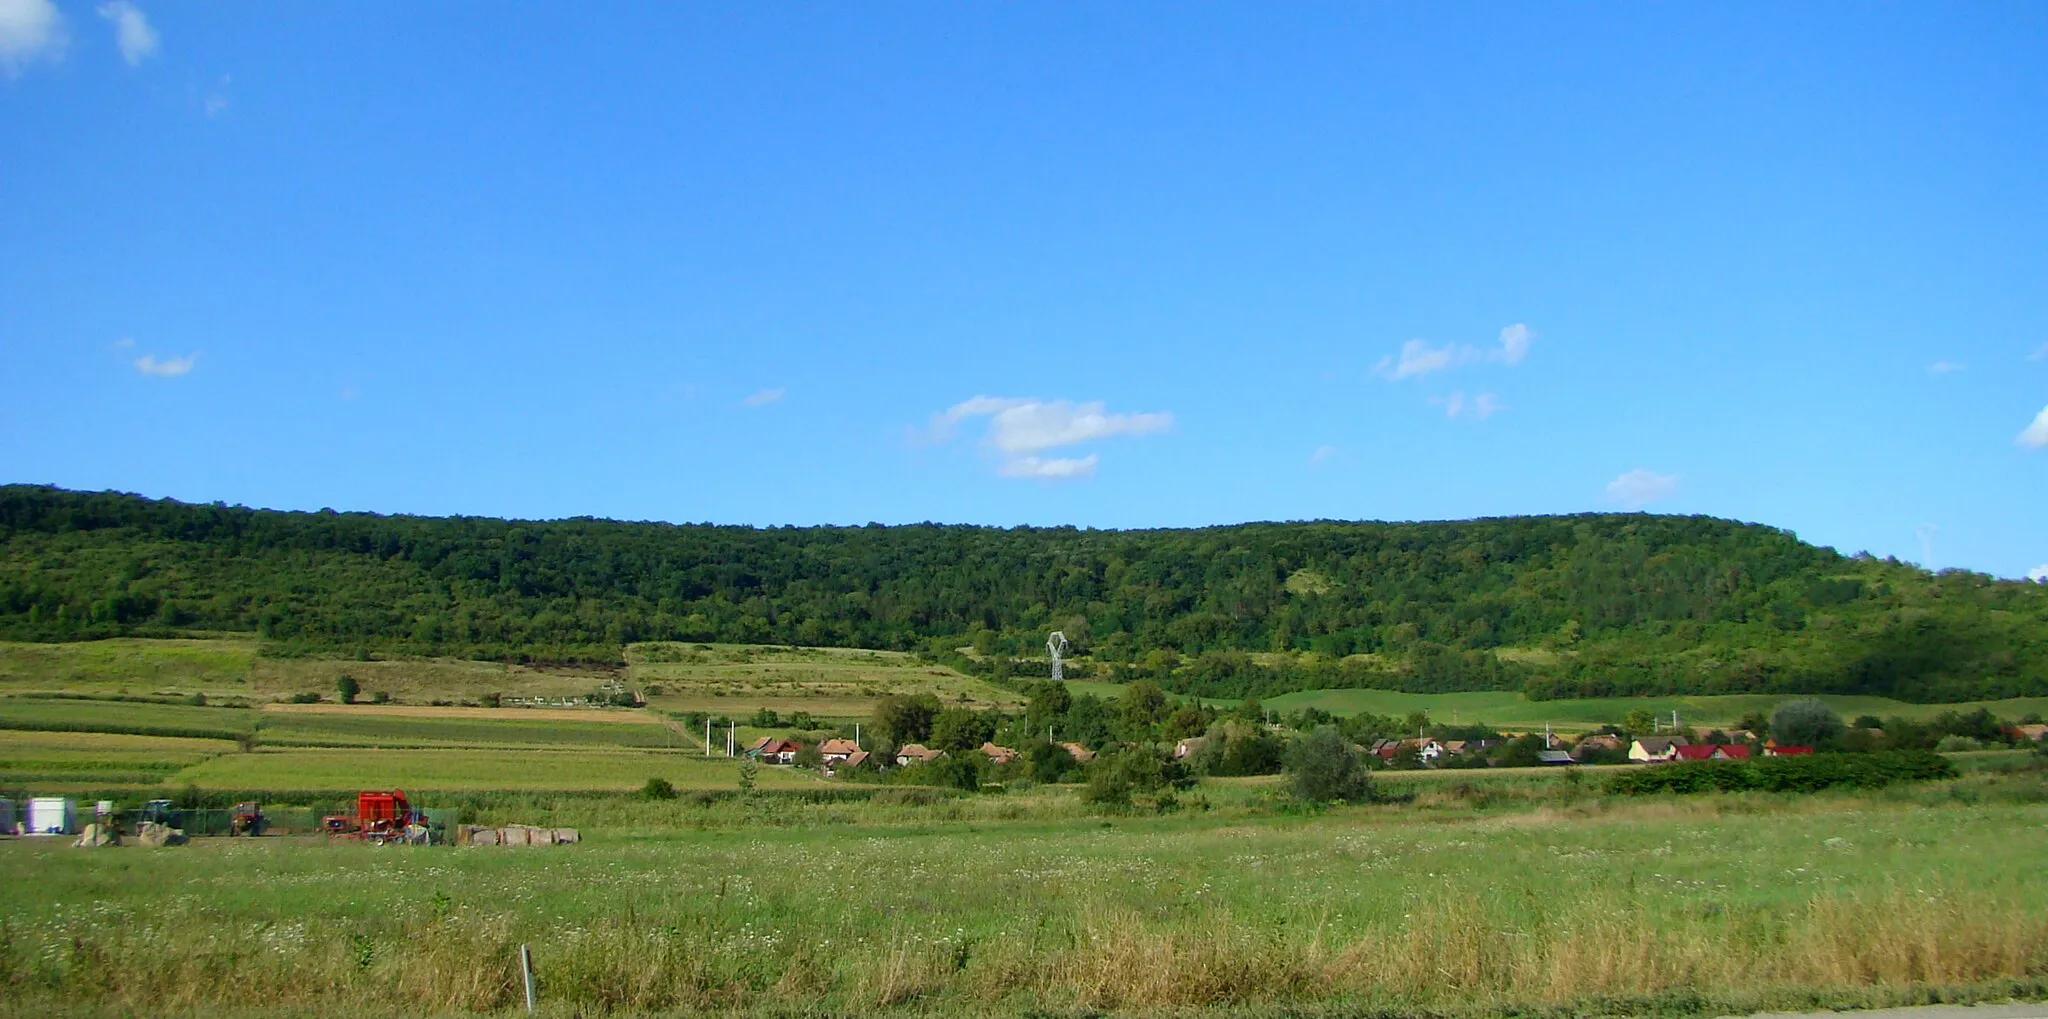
point(348, 688)
point(1322, 767)
point(1807, 721)
point(658, 789)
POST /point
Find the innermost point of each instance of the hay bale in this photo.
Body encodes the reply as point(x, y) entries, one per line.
point(483, 837)
point(156, 835)
point(97, 835)
point(515, 835)
point(567, 836)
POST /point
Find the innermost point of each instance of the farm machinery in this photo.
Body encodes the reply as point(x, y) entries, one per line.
point(380, 818)
point(247, 819)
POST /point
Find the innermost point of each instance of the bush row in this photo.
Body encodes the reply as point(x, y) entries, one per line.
point(1804, 774)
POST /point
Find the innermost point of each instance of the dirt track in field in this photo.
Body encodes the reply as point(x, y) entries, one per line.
point(502, 714)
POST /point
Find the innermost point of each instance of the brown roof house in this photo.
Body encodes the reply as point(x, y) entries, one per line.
point(836, 749)
point(999, 755)
point(916, 753)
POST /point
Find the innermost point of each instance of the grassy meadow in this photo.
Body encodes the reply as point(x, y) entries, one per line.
point(1562, 902)
point(827, 682)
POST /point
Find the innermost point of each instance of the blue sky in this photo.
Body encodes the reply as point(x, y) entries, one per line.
point(1102, 264)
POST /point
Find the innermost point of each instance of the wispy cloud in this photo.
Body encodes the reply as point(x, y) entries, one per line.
point(1420, 357)
point(2039, 574)
point(1321, 454)
point(1020, 428)
point(764, 397)
point(1054, 467)
point(1482, 406)
point(1640, 487)
point(30, 30)
point(2039, 355)
point(2035, 435)
point(165, 368)
point(1925, 533)
point(1945, 367)
point(132, 33)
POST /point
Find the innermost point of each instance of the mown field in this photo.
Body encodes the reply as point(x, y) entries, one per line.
point(1553, 902)
point(827, 682)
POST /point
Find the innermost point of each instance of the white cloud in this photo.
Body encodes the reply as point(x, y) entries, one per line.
point(1486, 405)
point(29, 29)
point(132, 33)
point(2039, 574)
point(1019, 428)
point(2039, 355)
point(2036, 435)
point(1640, 487)
point(168, 368)
point(764, 397)
point(1321, 454)
point(1420, 357)
point(1057, 467)
point(1945, 367)
point(1514, 343)
point(124, 343)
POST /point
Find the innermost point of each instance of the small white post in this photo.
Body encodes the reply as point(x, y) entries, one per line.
point(526, 973)
point(707, 737)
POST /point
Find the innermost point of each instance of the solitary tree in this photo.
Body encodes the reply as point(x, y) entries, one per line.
point(1807, 721)
point(1322, 766)
point(348, 688)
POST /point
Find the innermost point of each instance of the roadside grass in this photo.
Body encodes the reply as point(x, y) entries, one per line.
point(1714, 905)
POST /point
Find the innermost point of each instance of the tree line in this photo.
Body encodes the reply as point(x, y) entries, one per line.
point(1562, 606)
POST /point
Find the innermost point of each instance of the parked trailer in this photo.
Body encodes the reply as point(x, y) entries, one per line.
point(380, 817)
point(52, 815)
point(7, 819)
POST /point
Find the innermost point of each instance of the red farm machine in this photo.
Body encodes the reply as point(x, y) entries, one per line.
point(380, 817)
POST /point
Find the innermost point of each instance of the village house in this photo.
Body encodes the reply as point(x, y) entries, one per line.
point(837, 749)
point(1595, 743)
point(1740, 735)
point(916, 753)
point(1554, 757)
point(2036, 733)
point(1773, 749)
point(1653, 749)
point(775, 750)
point(1713, 752)
point(1183, 749)
point(999, 755)
point(1082, 755)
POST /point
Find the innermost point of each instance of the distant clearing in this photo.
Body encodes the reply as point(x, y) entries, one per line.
point(735, 679)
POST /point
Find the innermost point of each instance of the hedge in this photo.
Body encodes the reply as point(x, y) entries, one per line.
point(1802, 774)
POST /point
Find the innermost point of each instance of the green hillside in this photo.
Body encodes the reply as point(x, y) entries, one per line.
point(1553, 607)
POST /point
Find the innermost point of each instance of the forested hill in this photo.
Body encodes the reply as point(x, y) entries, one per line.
point(1556, 606)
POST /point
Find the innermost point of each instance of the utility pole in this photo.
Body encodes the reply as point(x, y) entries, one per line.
point(856, 735)
point(707, 737)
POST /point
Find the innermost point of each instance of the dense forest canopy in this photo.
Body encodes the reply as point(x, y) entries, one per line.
point(1587, 605)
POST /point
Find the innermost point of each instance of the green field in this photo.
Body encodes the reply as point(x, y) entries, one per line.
point(1758, 902)
point(438, 770)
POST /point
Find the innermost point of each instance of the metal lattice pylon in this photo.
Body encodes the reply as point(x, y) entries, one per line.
point(1056, 645)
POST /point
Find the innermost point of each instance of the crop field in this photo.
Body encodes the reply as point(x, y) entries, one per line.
point(371, 728)
point(442, 770)
point(827, 682)
point(63, 761)
point(230, 666)
point(145, 719)
point(1715, 905)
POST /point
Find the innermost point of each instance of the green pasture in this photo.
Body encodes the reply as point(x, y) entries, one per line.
point(63, 761)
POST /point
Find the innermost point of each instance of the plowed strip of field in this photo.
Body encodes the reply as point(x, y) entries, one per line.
point(504, 714)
